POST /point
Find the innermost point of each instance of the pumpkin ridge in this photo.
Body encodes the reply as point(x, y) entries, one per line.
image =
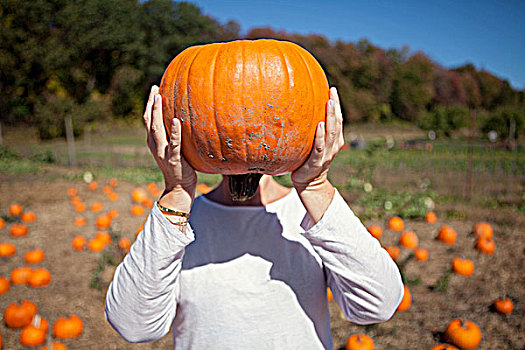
point(261, 82)
point(311, 82)
point(279, 147)
point(176, 96)
point(188, 88)
point(311, 91)
point(264, 124)
point(243, 108)
point(214, 103)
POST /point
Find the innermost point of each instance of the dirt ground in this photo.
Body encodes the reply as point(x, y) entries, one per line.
point(420, 327)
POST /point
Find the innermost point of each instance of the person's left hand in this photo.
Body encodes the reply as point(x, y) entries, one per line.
point(328, 141)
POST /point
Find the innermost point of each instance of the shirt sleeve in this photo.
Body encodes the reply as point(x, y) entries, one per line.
point(365, 281)
point(141, 300)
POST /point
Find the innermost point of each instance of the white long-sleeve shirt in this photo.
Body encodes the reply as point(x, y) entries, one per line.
point(251, 277)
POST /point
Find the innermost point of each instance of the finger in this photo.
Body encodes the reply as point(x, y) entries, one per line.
point(334, 96)
point(316, 156)
point(149, 106)
point(158, 130)
point(175, 142)
point(331, 124)
point(339, 117)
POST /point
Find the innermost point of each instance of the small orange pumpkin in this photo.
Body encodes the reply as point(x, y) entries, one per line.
point(65, 328)
point(2, 223)
point(138, 195)
point(34, 256)
point(18, 230)
point(409, 240)
point(107, 189)
point(75, 199)
point(485, 245)
point(18, 315)
point(28, 216)
point(93, 185)
point(55, 346)
point(104, 237)
point(463, 267)
point(124, 244)
point(113, 182)
point(79, 242)
point(137, 210)
point(148, 203)
point(406, 302)
point(359, 342)
point(20, 275)
point(431, 217)
point(15, 209)
point(463, 333)
point(113, 197)
point(80, 207)
point(4, 285)
point(96, 245)
point(154, 189)
point(483, 230)
point(393, 251)
point(103, 222)
point(447, 234)
point(71, 191)
point(396, 223)
point(35, 333)
point(376, 231)
point(80, 221)
point(40, 277)
point(97, 207)
point(503, 306)
point(7, 249)
point(421, 254)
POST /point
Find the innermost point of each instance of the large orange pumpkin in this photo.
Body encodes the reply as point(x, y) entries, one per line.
point(247, 106)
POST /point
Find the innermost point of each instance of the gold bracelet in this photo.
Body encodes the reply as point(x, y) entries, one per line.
point(173, 212)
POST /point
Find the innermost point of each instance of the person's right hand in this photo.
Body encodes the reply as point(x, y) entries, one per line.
point(179, 177)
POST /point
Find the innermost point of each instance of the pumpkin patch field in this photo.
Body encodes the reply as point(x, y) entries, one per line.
point(64, 229)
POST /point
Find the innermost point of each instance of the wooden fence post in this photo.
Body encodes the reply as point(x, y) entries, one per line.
point(70, 141)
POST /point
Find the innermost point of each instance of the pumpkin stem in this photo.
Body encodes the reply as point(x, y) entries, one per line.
point(243, 187)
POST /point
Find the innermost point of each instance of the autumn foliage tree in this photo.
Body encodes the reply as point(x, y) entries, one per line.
point(95, 60)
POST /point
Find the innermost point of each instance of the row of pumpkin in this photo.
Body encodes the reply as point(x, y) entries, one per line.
point(23, 314)
point(462, 333)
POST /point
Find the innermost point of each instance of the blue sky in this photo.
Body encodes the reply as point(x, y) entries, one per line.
point(489, 34)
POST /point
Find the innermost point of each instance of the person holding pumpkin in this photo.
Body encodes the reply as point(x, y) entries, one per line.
point(252, 273)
